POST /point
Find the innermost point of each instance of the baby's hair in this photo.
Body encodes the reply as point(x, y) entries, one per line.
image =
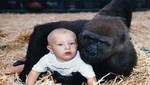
point(59, 30)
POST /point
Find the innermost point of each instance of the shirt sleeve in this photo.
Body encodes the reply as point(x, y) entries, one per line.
point(86, 70)
point(41, 65)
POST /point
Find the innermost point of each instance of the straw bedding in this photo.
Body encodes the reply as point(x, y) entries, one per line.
point(15, 30)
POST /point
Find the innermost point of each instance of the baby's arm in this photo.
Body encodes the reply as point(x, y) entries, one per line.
point(91, 81)
point(33, 75)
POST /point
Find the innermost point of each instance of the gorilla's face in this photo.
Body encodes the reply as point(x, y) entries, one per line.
point(94, 46)
point(100, 38)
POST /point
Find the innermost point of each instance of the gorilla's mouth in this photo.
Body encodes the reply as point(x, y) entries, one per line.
point(89, 54)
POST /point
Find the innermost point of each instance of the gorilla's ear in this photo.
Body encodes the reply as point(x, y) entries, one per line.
point(123, 38)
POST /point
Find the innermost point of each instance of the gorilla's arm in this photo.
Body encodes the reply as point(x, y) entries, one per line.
point(75, 79)
point(123, 61)
point(38, 41)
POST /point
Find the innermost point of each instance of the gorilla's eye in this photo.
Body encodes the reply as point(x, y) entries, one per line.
point(87, 37)
point(102, 42)
point(90, 39)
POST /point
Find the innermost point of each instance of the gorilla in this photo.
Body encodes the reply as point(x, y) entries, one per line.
point(104, 42)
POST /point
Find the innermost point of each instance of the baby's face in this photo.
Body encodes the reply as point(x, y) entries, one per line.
point(64, 46)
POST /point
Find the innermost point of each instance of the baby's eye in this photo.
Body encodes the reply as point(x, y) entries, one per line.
point(59, 44)
point(72, 43)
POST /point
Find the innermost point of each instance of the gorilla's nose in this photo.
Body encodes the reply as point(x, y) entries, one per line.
point(89, 54)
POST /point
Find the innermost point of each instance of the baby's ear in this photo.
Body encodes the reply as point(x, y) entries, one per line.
point(50, 48)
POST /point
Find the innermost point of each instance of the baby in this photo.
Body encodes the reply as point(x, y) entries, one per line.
point(63, 58)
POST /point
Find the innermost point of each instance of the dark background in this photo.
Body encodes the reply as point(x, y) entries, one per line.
point(24, 6)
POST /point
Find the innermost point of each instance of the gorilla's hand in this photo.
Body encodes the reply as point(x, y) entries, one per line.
point(19, 62)
point(75, 79)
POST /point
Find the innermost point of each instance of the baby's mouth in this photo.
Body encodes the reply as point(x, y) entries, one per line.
point(68, 53)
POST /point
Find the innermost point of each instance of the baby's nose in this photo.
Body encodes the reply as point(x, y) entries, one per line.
point(67, 46)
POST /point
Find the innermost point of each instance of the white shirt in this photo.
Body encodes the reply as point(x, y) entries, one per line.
point(64, 68)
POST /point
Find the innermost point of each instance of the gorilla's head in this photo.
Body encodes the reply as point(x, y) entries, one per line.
point(102, 37)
